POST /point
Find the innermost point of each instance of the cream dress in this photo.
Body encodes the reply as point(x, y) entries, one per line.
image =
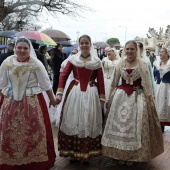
point(132, 131)
point(109, 67)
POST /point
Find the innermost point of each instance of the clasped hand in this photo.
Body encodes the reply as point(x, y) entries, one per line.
point(108, 105)
point(56, 101)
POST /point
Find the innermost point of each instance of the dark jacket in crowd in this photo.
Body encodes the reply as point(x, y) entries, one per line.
point(38, 54)
point(103, 55)
point(56, 62)
point(3, 56)
point(40, 57)
point(152, 59)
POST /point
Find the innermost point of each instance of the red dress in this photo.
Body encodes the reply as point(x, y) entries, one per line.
point(26, 139)
point(81, 148)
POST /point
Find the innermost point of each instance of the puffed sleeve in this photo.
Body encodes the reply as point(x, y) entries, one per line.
point(3, 77)
point(43, 78)
point(63, 78)
point(100, 81)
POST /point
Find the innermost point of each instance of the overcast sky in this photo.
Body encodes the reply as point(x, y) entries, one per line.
point(134, 16)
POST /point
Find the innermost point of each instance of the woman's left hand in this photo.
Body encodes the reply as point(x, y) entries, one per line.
point(58, 99)
point(102, 104)
point(53, 103)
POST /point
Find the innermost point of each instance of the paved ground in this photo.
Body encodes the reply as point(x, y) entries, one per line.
point(161, 162)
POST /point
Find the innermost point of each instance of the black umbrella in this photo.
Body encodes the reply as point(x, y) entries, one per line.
point(64, 43)
point(7, 33)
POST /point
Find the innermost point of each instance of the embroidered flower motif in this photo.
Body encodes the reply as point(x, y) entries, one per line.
point(20, 144)
point(124, 112)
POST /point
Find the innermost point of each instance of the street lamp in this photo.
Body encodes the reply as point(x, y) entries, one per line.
point(125, 31)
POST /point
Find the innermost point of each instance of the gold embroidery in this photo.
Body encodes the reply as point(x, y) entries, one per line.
point(60, 90)
point(22, 131)
point(102, 96)
point(79, 154)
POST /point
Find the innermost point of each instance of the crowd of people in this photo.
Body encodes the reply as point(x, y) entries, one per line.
point(113, 106)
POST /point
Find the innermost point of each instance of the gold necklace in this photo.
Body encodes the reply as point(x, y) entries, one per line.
point(85, 56)
point(130, 62)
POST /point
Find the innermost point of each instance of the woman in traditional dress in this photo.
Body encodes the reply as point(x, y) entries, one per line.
point(80, 128)
point(147, 61)
point(109, 64)
point(132, 131)
point(26, 140)
point(162, 87)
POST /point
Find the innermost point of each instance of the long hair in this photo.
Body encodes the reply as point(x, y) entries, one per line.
point(41, 49)
point(56, 48)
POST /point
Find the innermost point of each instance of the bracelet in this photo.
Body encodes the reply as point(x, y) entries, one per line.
point(59, 94)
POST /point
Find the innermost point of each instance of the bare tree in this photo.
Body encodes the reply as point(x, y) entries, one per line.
point(21, 21)
point(34, 7)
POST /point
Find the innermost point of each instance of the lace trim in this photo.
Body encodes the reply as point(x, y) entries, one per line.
point(124, 123)
point(120, 145)
point(92, 64)
point(81, 133)
point(20, 70)
point(130, 78)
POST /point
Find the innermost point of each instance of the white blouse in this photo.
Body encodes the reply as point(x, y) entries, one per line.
point(18, 79)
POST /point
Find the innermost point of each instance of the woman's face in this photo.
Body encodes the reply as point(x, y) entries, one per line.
point(22, 50)
point(131, 51)
point(45, 50)
point(110, 54)
point(73, 52)
point(163, 54)
point(85, 45)
point(60, 48)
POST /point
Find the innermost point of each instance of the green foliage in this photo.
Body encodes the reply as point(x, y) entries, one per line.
point(1, 40)
point(153, 49)
point(112, 41)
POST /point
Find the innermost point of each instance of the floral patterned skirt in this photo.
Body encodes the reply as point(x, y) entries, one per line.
point(26, 135)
